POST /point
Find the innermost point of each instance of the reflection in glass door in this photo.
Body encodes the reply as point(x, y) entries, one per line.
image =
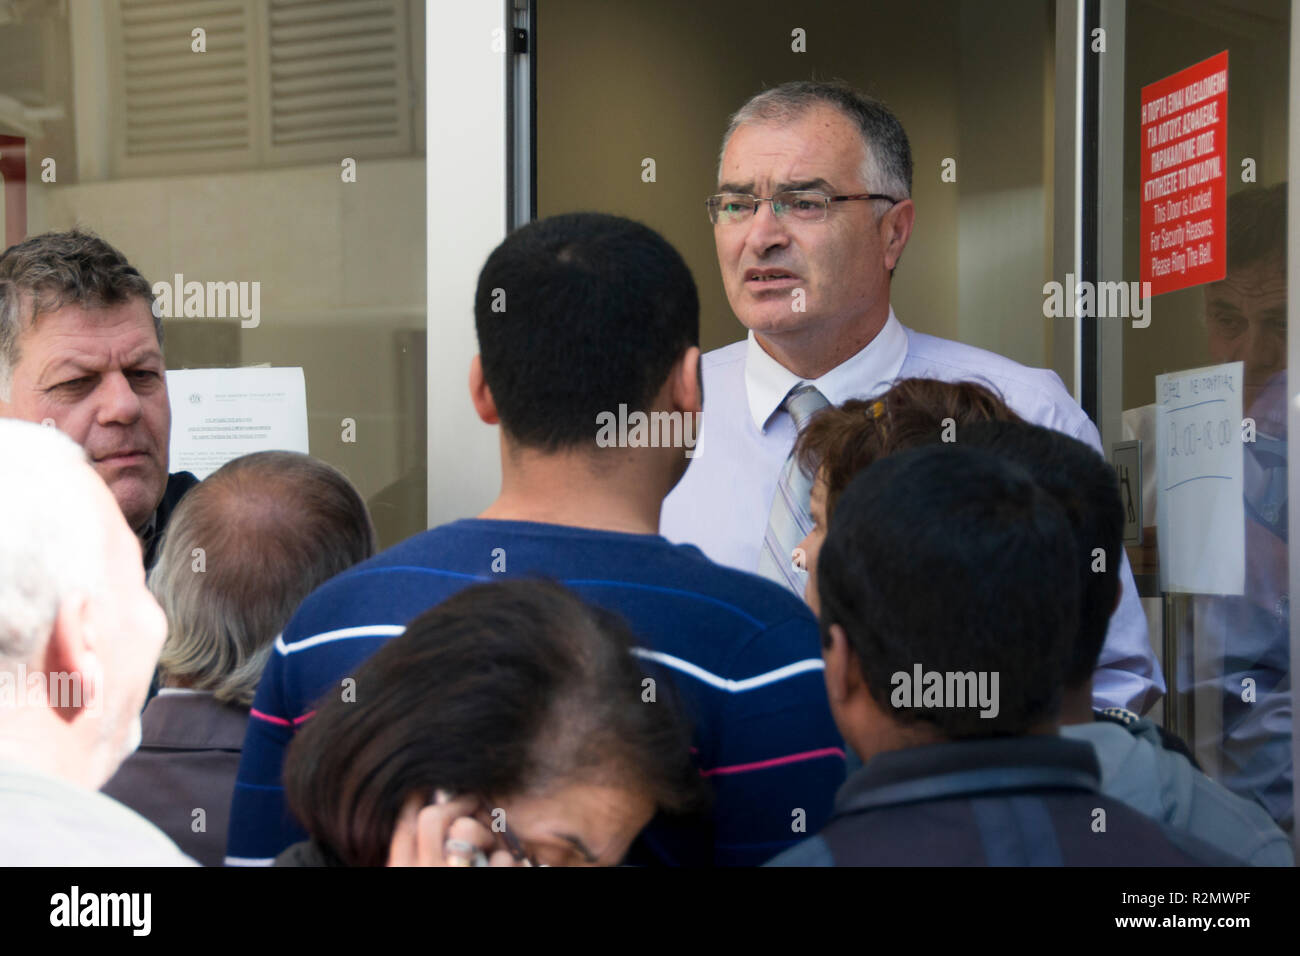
point(1213, 559)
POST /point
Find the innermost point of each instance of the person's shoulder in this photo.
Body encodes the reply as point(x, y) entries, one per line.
point(190, 722)
point(1152, 732)
point(388, 575)
point(723, 370)
point(305, 853)
point(1037, 394)
point(181, 481)
point(726, 355)
point(75, 826)
point(432, 550)
point(810, 852)
point(1130, 767)
point(179, 484)
point(1163, 784)
point(146, 844)
point(1193, 848)
point(1105, 736)
point(1145, 837)
point(764, 602)
point(1212, 813)
point(973, 360)
point(1145, 734)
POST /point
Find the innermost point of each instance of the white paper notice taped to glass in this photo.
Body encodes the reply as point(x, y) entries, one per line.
point(221, 413)
point(1200, 514)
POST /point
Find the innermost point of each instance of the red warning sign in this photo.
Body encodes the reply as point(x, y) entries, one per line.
point(1184, 177)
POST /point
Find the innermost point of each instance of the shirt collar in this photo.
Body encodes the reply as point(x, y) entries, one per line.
point(867, 373)
point(968, 767)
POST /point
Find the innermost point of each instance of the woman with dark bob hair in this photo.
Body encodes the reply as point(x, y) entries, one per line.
point(505, 726)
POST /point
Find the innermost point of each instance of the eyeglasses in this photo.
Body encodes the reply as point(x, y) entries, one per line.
point(802, 205)
point(513, 846)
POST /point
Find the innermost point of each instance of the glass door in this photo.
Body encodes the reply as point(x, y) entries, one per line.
point(1198, 226)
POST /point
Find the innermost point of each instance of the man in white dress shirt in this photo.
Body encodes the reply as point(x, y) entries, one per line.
point(812, 214)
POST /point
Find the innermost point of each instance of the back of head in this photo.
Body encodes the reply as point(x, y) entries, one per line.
point(241, 552)
point(502, 690)
point(841, 441)
point(949, 560)
point(55, 269)
point(576, 315)
point(52, 540)
point(1086, 486)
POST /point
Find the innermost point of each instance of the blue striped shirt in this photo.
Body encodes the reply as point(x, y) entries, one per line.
point(743, 654)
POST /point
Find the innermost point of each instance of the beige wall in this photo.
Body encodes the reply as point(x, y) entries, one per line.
point(621, 82)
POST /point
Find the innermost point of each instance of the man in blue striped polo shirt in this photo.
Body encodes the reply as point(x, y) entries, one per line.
point(588, 329)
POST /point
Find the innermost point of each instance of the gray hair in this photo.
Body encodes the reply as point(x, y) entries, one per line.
point(47, 272)
point(52, 543)
point(887, 167)
point(240, 553)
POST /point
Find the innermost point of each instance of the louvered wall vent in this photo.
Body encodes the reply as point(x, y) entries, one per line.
point(281, 81)
point(176, 100)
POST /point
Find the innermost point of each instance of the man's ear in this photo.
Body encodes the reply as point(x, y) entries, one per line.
point(895, 230)
point(843, 675)
point(687, 388)
point(480, 394)
point(72, 648)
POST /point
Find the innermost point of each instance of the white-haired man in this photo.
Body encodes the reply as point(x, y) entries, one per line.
point(812, 214)
point(79, 635)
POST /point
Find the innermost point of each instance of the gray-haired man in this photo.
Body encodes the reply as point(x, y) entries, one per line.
point(241, 553)
point(812, 214)
point(81, 349)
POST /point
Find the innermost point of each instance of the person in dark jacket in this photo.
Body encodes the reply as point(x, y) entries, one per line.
point(1142, 765)
point(242, 551)
point(1139, 765)
point(949, 601)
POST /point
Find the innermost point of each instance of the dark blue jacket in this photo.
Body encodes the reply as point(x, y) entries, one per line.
point(1009, 801)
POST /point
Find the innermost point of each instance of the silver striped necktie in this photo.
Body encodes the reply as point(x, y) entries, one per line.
point(790, 521)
